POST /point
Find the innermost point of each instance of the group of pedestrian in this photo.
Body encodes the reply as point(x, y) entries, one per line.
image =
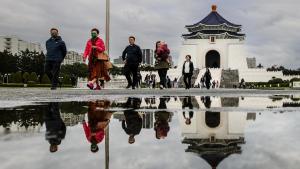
point(98, 60)
point(99, 64)
point(150, 80)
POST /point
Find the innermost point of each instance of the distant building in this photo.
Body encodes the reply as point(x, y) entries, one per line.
point(147, 120)
point(15, 45)
point(251, 62)
point(72, 57)
point(72, 119)
point(148, 57)
point(118, 62)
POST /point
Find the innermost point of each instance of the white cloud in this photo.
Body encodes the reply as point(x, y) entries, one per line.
point(271, 25)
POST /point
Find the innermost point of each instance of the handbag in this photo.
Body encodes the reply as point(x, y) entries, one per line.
point(102, 56)
point(108, 65)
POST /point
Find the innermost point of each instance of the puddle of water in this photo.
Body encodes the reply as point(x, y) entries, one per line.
point(153, 132)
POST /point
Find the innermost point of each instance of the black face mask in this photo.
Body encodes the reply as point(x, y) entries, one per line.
point(53, 35)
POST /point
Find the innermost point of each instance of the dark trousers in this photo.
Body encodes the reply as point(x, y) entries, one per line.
point(163, 77)
point(187, 77)
point(52, 69)
point(131, 70)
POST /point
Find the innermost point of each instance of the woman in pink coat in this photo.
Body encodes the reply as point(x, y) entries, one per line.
point(97, 68)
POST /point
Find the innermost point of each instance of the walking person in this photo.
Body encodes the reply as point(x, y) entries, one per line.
point(187, 71)
point(202, 85)
point(55, 127)
point(98, 120)
point(133, 123)
point(56, 52)
point(132, 57)
point(207, 78)
point(94, 52)
point(153, 81)
point(162, 62)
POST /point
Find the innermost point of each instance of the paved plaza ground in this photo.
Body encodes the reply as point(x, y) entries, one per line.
point(20, 96)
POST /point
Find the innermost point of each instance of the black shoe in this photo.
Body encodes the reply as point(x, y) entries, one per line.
point(53, 88)
point(128, 86)
point(133, 88)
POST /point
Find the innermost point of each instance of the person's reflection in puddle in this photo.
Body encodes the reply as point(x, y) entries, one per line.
point(133, 122)
point(98, 120)
point(187, 102)
point(55, 127)
point(162, 119)
point(206, 101)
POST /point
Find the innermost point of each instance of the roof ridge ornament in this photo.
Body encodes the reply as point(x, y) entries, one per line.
point(214, 8)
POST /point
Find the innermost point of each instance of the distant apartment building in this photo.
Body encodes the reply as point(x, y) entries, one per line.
point(72, 119)
point(118, 62)
point(72, 57)
point(148, 57)
point(15, 45)
point(251, 62)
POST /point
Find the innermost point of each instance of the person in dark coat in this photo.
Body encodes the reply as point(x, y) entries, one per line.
point(132, 125)
point(56, 52)
point(162, 65)
point(187, 102)
point(207, 78)
point(55, 127)
point(187, 71)
point(132, 57)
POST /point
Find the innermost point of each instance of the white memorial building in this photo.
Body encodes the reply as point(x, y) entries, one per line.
point(218, 44)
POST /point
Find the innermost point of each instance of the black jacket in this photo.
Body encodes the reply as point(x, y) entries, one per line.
point(132, 54)
point(133, 123)
point(191, 67)
point(56, 49)
point(55, 127)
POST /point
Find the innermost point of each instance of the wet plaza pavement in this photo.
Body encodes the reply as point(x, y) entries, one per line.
point(193, 131)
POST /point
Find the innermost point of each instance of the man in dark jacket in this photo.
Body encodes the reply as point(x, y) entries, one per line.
point(132, 57)
point(187, 71)
point(56, 52)
point(55, 127)
point(133, 122)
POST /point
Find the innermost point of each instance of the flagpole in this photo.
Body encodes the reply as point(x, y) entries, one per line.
point(107, 30)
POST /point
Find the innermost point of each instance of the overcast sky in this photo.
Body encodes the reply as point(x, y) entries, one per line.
point(272, 26)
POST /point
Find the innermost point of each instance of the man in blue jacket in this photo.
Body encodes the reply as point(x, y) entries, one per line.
point(56, 52)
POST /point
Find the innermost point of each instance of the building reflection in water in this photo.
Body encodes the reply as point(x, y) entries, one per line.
point(214, 136)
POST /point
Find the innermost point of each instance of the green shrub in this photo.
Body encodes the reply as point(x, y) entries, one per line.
point(45, 79)
point(26, 77)
point(33, 77)
point(17, 77)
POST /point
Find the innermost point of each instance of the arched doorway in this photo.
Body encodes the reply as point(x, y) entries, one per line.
point(212, 59)
point(212, 119)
